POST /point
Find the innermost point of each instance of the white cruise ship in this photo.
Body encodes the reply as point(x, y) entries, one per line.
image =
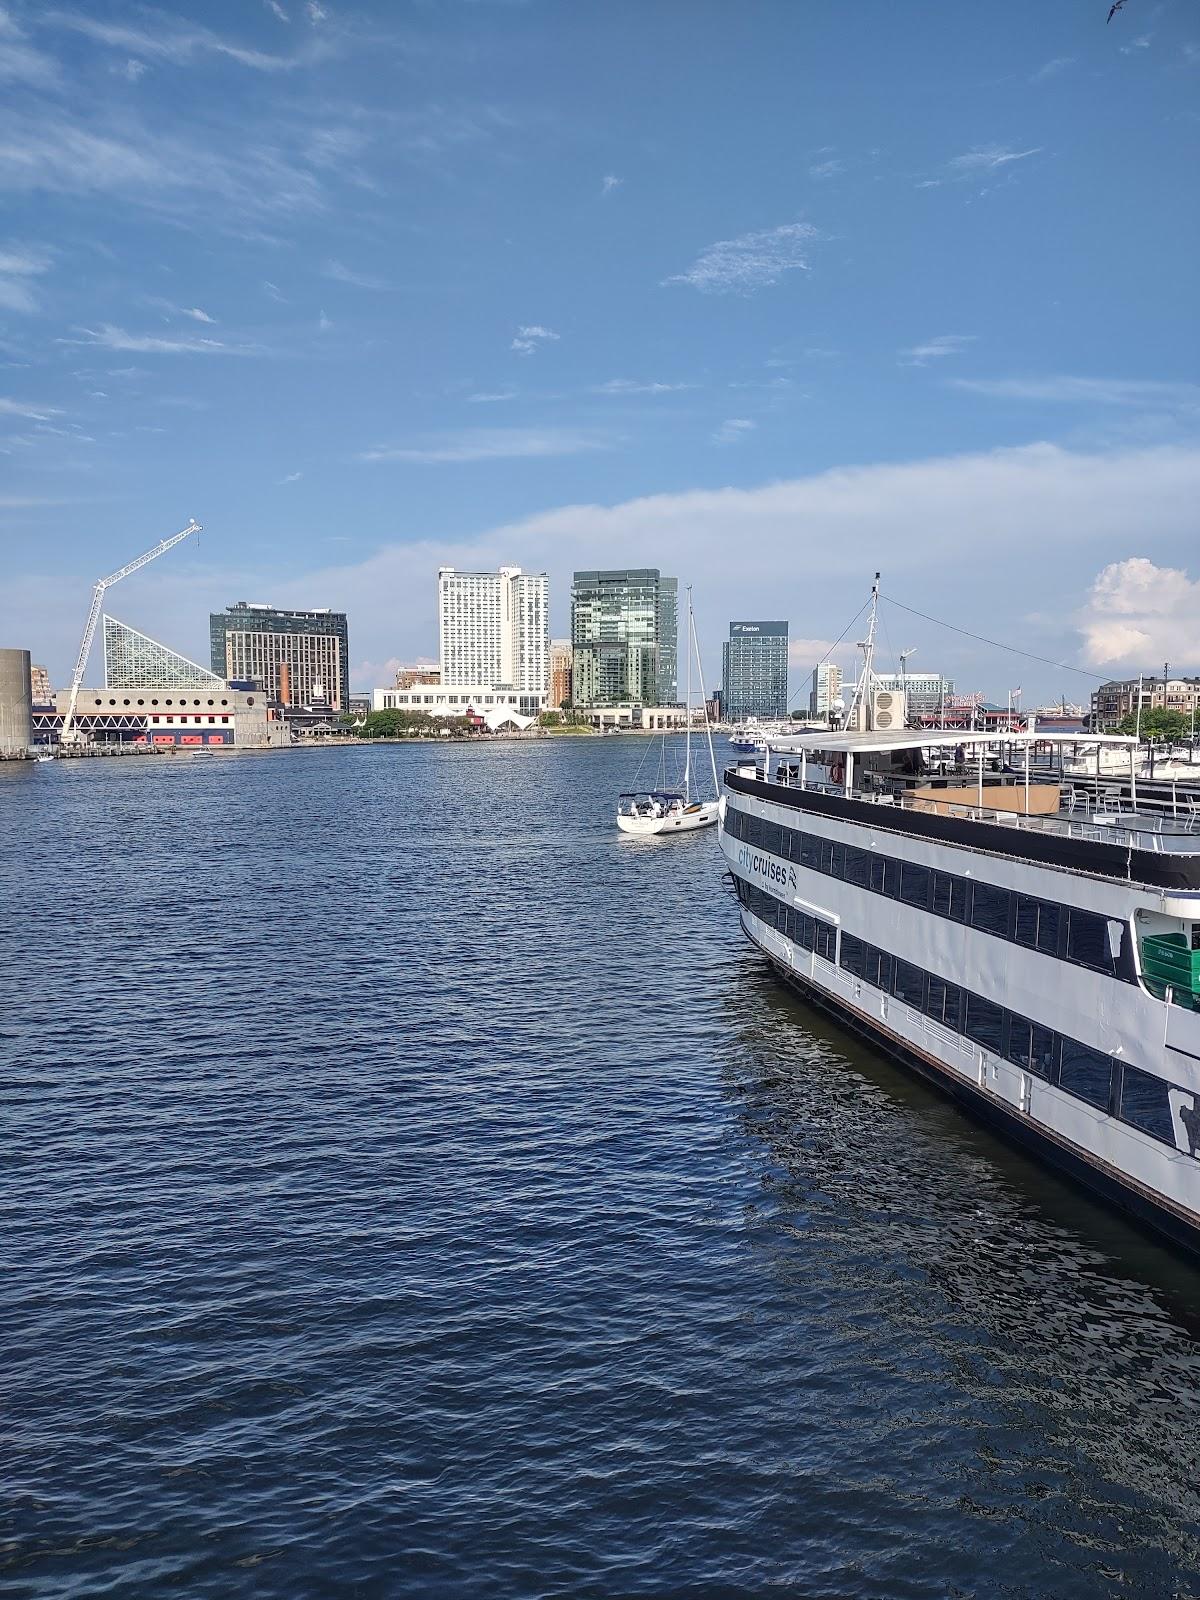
point(1042, 965)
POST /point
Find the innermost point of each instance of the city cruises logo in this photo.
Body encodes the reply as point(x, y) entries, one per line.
point(766, 867)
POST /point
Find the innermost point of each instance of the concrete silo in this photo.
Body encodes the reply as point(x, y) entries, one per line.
point(16, 705)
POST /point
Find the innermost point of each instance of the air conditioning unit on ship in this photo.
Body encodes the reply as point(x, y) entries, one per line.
point(889, 710)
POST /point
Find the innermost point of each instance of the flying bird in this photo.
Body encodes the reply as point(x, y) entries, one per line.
point(1117, 4)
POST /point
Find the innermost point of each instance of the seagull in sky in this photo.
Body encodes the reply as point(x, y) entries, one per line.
point(1117, 4)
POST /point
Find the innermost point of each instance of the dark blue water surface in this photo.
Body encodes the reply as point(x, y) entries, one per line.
point(413, 1187)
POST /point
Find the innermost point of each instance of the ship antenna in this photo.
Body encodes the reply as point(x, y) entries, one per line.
point(862, 690)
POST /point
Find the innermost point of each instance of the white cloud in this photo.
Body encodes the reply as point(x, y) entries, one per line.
point(292, 477)
point(529, 337)
point(1086, 391)
point(633, 386)
point(1051, 69)
point(733, 429)
point(826, 169)
point(277, 10)
point(935, 349)
point(196, 314)
point(490, 444)
point(323, 323)
point(1142, 42)
point(491, 397)
point(316, 13)
point(17, 267)
point(1138, 615)
point(610, 182)
point(986, 158)
point(170, 39)
point(20, 62)
point(343, 274)
point(753, 261)
point(111, 338)
point(132, 70)
point(27, 409)
point(272, 290)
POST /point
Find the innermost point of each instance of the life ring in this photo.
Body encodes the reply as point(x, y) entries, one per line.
point(837, 772)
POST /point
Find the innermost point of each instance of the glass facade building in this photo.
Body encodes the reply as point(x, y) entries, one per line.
point(625, 638)
point(133, 660)
point(252, 642)
point(754, 676)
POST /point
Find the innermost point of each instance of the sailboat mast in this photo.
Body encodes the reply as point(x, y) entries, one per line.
point(687, 762)
point(712, 760)
point(862, 691)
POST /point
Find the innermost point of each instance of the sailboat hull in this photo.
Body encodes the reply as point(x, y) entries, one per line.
point(701, 814)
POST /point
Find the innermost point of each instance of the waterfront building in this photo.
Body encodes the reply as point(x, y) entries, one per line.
point(406, 677)
point(39, 683)
point(133, 660)
point(755, 670)
point(485, 701)
point(926, 692)
point(493, 628)
point(560, 673)
point(624, 637)
point(250, 643)
point(826, 688)
point(191, 717)
point(1119, 698)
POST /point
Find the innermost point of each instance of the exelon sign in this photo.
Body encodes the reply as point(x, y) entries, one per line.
point(774, 629)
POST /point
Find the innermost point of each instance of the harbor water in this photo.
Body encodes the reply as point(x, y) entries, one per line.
point(414, 1187)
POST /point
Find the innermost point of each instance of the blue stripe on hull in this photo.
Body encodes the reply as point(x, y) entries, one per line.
point(1103, 1181)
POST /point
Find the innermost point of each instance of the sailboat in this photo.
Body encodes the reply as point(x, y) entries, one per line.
point(667, 811)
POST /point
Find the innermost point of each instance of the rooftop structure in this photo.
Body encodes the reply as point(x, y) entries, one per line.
point(133, 660)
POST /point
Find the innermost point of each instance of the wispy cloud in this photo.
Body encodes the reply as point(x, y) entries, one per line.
point(20, 62)
point(491, 397)
point(323, 323)
point(936, 349)
point(272, 289)
point(316, 13)
point(752, 261)
point(529, 337)
point(733, 429)
point(826, 169)
point(1066, 390)
point(636, 386)
point(30, 411)
point(292, 477)
point(1051, 69)
point(490, 444)
point(196, 314)
point(170, 39)
point(277, 10)
point(609, 182)
point(17, 267)
point(108, 337)
point(986, 158)
point(1142, 42)
point(343, 274)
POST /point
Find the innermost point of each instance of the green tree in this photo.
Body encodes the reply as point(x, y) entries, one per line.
point(397, 724)
point(1157, 723)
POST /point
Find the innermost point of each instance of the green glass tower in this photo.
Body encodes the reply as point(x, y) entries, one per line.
point(624, 637)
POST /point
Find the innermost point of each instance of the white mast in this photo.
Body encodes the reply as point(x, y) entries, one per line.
point(712, 760)
point(862, 690)
point(687, 761)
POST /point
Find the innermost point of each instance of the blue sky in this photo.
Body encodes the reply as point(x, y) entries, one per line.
point(766, 295)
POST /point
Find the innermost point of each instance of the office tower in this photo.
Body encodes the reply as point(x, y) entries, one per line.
point(624, 637)
point(826, 688)
point(755, 670)
point(926, 692)
point(493, 628)
point(251, 642)
point(560, 673)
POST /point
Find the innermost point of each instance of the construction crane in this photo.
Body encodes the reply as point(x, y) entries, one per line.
point(70, 734)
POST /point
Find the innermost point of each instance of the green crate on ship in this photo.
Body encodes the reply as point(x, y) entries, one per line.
point(1169, 958)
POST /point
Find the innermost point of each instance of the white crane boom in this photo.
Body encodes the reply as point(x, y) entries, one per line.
point(69, 734)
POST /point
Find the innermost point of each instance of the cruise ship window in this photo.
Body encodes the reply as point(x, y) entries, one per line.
point(826, 940)
point(1146, 1103)
point(854, 955)
point(858, 867)
point(1086, 1073)
point(1025, 926)
point(914, 884)
point(949, 896)
point(989, 909)
point(908, 984)
point(985, 1023)
point(825, 856)
point(1031, 1046)
point(837, 864)
point(808, 850)
point(879, 874)
point(1087, 940)
point(943, 1002)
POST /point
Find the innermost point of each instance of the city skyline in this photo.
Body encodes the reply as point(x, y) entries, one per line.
point(898, 323)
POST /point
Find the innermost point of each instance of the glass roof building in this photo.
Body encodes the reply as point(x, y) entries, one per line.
point(133, 660)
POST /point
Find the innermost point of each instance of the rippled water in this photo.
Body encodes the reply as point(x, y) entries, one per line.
point(414, 1187)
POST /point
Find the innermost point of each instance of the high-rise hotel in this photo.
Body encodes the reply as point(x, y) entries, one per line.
point(494, 629)
point(624, 638)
